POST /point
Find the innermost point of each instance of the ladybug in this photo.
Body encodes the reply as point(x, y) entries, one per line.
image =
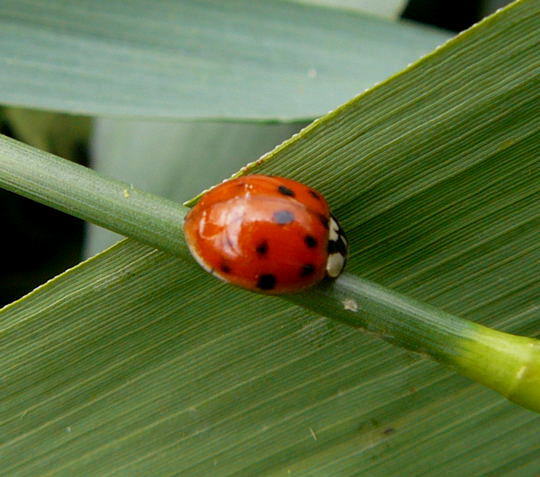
point(267, 234)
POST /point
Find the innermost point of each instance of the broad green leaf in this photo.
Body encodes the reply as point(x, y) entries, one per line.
point(197, 59)
point(136, 362)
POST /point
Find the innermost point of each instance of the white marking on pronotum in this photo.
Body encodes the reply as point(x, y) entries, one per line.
point(333, 234)
point(334, 264)
point(350, 305)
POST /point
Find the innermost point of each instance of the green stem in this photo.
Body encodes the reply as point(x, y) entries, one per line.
point(504, 362)
point(507, 363)
point(81, 192)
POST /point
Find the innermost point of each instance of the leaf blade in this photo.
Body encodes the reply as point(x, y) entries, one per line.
point(234, 60)
point(280, 376)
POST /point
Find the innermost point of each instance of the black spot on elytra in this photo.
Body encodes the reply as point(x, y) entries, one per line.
point(324, 220)
point(314, 194)
point(262, 248)
point(310, 241)
point(266, 282)
point(341, 247)
point(307, 270)
point(337, 246)
point(285, 191)
point(283, 217)
point(332, 246)
point(225, 268)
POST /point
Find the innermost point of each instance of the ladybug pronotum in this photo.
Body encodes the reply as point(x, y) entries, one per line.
point(267, 234)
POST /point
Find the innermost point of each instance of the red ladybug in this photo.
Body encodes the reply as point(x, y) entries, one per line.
point(267, 234)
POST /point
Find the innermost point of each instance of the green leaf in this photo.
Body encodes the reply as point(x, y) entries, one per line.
point(197, 59)
point(137, 362)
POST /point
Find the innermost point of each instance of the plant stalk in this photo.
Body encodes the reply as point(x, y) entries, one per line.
point(507, 363)
point(81, 192)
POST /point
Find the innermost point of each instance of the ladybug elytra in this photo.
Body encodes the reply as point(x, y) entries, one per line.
point(267, 234)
